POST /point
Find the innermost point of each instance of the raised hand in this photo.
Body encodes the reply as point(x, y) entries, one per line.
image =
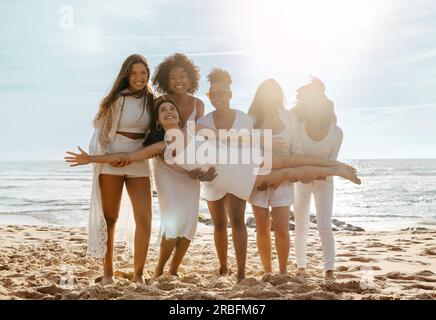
point(77, 159)
point(195, 173)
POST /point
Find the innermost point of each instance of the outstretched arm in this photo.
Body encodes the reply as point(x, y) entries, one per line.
point(77, 159)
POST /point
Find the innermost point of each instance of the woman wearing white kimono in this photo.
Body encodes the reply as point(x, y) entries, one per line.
point(121, 125)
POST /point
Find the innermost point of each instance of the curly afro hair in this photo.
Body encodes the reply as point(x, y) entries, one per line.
point(218, 75)
point(161, 75)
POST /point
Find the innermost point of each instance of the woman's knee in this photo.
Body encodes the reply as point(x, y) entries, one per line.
point(281, 231)
point(220, 225)
point(238, 223)
point(111, 220)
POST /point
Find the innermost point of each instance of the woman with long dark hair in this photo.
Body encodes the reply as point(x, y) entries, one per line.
point(121, 124)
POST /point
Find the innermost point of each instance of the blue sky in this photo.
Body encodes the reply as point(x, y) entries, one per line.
point(377, 58)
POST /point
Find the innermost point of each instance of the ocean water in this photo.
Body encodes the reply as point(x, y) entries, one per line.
point(394, 194)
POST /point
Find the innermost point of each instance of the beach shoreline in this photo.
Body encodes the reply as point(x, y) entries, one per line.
point(50, 263)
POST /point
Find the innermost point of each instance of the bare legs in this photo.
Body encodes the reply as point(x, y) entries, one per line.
point(111, 191)
point(139, 192)
point(236, 212)
point(179, 246)
point(218, 212)
point(140, 195)
point(304, 173)
point(233, 208)
point(280, 219)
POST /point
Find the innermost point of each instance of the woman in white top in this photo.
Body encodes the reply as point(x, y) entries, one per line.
point(177, 78)
point(268, 110)
point(320, 137)
point(122, 123)
point(223, 205)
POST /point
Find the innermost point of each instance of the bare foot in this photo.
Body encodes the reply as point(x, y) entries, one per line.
point(225, 272)
point(138, 279)
point(301, 272)
point(240, 277)
point(174, 273)
point(329, 275)
point(104, 279)
point(157, 274)
point(349, 173)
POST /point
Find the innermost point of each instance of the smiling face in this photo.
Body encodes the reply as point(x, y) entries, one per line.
point(138, 77)
point(179, 81)
point(220, 95)
point(168, 116)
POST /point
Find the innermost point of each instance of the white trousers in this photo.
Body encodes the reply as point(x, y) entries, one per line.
point(323, 194)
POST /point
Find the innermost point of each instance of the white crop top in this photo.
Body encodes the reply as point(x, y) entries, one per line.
point(135, 116)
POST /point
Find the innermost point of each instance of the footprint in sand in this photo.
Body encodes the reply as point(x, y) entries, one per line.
point(363, 259)
point(429, 252)
point(425, 273)
point(399, 276)
point(353, 286)
point(395, 248)
point(346, 254)
point(419, 286)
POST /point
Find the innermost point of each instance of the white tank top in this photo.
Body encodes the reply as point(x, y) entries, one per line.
point(327, 148)
point(135, 116)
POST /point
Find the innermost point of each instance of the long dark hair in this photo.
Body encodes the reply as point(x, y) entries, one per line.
point(155, 134)
point(121, 83)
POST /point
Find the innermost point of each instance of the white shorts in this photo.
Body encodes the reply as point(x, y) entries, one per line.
point(135, 169)
point(283, 196)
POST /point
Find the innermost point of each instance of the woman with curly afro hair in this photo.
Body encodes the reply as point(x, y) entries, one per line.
point(176, 78)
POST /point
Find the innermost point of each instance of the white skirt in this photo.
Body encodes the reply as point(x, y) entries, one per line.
point(133, 170)
point(179, 201)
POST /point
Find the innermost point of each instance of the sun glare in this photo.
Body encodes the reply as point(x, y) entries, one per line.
point(309, 34)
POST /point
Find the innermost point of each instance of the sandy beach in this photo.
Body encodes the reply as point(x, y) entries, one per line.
point(41, 262)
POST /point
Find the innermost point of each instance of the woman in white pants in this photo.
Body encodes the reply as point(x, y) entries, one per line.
point(321, 137)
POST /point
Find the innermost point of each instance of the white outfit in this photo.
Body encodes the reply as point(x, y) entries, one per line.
point(135, 118)
point(179, 198)
point(237, 179)
point(328, 149)
point(105, 140)
point(283, 196)
point(242, 121)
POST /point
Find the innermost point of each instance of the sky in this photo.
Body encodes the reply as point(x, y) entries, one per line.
point(377, 58)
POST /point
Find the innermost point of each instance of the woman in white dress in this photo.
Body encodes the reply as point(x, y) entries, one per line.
point(268, 111)
point(321, 137)
point(177, 78)
point(222, 205)
point(121, 125)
